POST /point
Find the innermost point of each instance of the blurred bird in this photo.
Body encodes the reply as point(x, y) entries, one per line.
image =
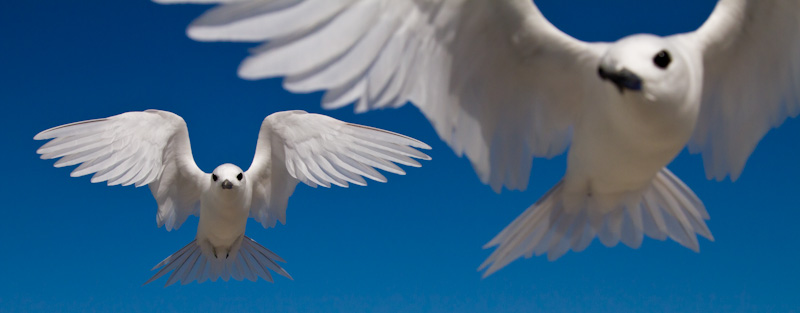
point(501, 84)
point(152, 148)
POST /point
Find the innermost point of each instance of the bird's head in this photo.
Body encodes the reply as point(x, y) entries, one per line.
point(228, 176)
point(649, 67)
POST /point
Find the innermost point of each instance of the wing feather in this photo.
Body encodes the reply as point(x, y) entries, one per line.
point(495, 78)
point(141, 148)
point(295, 146)
point(751, 52)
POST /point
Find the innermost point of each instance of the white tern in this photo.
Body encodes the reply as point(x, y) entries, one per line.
point(501, 84)
point(152, 148)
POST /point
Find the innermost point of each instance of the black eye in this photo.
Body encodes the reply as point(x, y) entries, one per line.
point(662, 59)
point(239, 177)
point(213, 177)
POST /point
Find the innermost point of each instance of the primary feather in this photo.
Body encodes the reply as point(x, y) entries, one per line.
point(435, 54)
point(751, 55)
point(140, 148)
point(295, 146)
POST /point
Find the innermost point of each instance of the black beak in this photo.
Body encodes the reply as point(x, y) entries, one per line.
point(227, 184)
point(623, 79)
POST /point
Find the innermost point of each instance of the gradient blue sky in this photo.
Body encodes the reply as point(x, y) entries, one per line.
point(410, 245)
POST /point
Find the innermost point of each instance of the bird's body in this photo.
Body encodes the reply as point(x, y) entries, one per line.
point(223, 213)
point(624, 138)
point(616, 185)
point(152, 148)
point(502, 85)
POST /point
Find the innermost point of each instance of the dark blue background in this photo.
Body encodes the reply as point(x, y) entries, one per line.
point(410, 245)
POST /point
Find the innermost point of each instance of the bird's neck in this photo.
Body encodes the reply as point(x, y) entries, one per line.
point(230, 203)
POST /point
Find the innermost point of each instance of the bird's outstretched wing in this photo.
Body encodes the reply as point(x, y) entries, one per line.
point(319, 150)
point(135, 148)
point(494, 77)
point(751, 56)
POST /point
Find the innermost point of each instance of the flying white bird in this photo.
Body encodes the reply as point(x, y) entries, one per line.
point(152, 148)
point(501, 84)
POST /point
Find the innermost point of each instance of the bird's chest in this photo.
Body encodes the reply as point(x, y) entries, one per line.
point(626, 144)
point(223, 215)
point(634, 125)
point(233, 206)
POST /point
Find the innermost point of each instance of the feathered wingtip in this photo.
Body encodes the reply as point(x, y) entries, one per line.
point(190, 263)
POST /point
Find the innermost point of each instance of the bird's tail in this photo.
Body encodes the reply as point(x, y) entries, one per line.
point(666, 208)
point(190, 263)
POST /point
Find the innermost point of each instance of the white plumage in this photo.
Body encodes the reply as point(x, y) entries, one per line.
point(502, 85)
point(152, 148)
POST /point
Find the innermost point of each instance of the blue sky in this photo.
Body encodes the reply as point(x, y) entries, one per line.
point(410, 245)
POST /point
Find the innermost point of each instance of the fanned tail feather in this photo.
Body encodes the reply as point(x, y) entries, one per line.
point(666, 208)
point(190, 263)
